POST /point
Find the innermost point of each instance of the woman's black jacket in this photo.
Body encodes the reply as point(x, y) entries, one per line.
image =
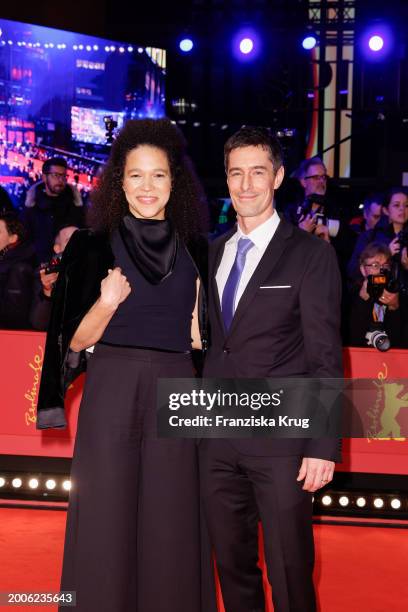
point(86, 261)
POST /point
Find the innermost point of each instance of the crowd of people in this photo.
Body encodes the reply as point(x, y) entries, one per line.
point(371, 248)
point(21, 167)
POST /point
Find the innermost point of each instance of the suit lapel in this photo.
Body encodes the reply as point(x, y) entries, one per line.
point(268, 262)
point(215, 263)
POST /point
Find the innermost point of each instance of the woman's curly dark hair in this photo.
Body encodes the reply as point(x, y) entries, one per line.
point(186, 206)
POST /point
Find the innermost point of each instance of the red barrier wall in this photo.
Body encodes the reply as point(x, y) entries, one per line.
point(21, 356)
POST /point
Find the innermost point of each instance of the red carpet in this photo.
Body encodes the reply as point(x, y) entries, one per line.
point(358, 569)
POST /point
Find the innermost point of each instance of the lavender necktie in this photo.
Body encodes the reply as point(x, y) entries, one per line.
point(231, 286)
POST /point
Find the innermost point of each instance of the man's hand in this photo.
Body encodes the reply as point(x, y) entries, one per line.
point(48, 281)
point(316, 473)
point(322, 231)
point(308, 223)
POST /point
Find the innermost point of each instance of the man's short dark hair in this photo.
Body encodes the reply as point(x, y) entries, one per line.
point(54, 161)
point(374, 248)
point(374, 198)
point(303, 169)
point(249, 136)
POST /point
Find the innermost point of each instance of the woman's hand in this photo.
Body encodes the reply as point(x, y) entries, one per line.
point(363, 291)
point(394, 246)
point(114, 288)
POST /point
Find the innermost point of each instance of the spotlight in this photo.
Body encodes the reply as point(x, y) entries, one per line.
point(396, 504)
point(66, 485)
point(112, 48)
point(376, 42)
point(309, 42)
point(186, 45)
point(50, 484)
point(88, 48)
point(95, 48)
point(130, 49)
point(121, 49)
point(107, 49)
point(361, 502)
point(326, 500)
point(246, 45)
point(16, 482)
point(140, 49)
point(33, 483)
point(2, 481)
point(378, 502)
point(344, 501)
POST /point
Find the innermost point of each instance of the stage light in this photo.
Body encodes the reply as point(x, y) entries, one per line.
point(309, 42)
point(376, 43)
point(361, 502)
point(378, 502)
point(80, 47)
point(88, 48)
point(95, 48)
point(16, 482)
point(326, 500)
point(66, 485)
point(140, 49)
point(75, 47)
point(112, 48)
point(396, 504)
point(2, 481)
point(186, 45)
point(246, 45)
point(50, 484)
point(130, 49)
point(33, 483)
point(344, 501)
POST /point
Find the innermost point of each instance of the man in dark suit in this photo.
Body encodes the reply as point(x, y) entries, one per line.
point(274, 310)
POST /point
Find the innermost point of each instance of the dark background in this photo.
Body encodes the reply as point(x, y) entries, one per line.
point(221, 94)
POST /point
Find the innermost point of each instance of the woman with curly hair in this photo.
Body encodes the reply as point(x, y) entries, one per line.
point(129, 288)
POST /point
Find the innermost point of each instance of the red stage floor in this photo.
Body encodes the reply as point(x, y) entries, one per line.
point(358, 569)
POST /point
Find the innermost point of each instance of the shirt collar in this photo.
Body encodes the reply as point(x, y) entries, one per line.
point(261, 235)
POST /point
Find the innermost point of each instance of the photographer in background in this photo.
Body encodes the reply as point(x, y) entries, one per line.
point(391, 230)
point(17, 261)
point(378, 312)
point(45, 280)
point(311, 214)
point(372, 211)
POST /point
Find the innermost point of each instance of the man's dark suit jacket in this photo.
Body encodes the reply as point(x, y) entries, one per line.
point(286, 325)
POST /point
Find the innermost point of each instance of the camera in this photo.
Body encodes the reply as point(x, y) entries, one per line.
point(333, 225)
point(54, 264)
point(378, 338)
point(376, 283)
